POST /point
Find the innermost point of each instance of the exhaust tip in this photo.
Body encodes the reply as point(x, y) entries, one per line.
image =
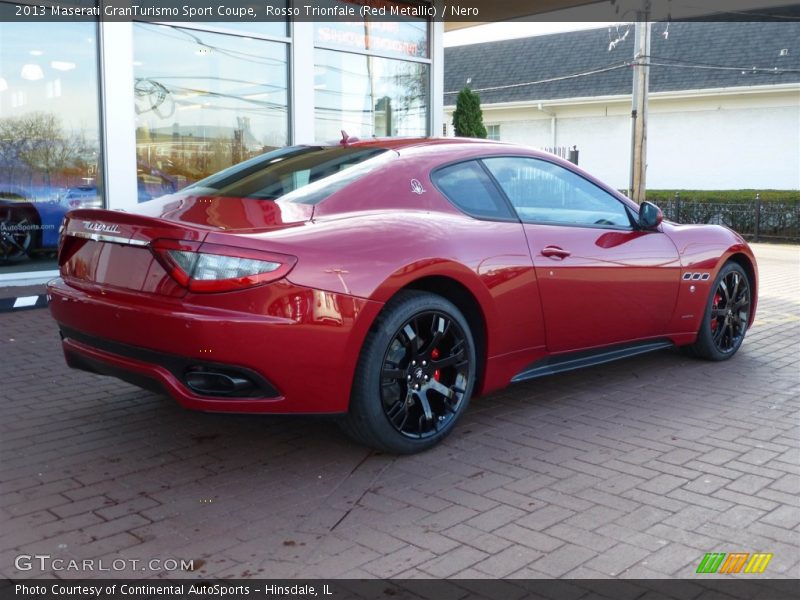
point(218, 383)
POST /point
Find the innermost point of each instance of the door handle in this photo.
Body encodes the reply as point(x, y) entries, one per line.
point(555, 252)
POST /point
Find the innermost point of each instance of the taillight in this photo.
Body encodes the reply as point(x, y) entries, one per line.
point(217, 268)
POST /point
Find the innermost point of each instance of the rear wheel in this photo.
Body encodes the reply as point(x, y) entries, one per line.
point(727, 315)
point(415, 375)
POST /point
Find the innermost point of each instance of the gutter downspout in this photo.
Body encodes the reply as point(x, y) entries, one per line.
point(552, 114)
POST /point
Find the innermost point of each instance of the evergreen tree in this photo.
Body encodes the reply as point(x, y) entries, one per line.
point(468, 116)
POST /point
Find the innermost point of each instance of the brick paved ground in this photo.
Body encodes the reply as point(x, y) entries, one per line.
point(635, 469)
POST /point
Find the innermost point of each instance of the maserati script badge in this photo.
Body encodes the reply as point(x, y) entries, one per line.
point(95, 226)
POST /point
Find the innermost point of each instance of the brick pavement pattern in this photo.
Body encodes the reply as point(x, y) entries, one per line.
point(634, 469)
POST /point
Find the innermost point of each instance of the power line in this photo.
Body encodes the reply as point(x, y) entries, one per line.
point(606, 69)
point(677, 65)
point(686, 63)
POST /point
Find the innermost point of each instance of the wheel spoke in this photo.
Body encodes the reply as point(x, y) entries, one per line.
point(426, 406)
point(399, 410)
point(411, 337)
point(455, 359)
point(736, 280)
point(729, 335)
point(724, 288)
point(393, 373)
point(717, 336)
point(442, 389)
point(449, 408)
point(439, 327)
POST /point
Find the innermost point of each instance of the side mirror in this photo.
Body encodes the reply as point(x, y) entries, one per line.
point(650, 216)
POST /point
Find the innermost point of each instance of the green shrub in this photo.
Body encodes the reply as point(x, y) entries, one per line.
point(468, 116)
point(791, 196)
point(778, 218)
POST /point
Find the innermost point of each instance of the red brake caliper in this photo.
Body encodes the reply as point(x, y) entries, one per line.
point(434, 356)
point(717, 299)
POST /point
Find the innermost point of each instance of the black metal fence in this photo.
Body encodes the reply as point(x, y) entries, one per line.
point(757, 220)
point(565, 152)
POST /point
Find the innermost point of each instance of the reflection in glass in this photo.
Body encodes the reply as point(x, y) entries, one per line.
point(204, 101)
point(401, 37)
point(369, 96)
point(49, 135)
point(270, 28)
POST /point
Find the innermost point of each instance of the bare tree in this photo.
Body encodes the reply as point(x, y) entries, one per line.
point(49, 149)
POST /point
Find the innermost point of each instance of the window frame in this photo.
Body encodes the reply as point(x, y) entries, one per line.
point(488, 135)
point(513, 215)
point(628, 210)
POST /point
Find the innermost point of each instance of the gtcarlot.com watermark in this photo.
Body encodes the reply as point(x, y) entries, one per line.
point(45, 562)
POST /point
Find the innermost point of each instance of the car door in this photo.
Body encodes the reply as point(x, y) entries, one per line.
point(601, 279)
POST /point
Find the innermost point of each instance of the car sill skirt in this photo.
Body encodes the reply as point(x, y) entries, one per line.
point(587, 358)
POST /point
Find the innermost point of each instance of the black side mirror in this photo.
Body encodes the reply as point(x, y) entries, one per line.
point(650, 216)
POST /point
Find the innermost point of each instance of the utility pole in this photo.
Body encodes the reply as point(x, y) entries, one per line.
point(641, 86)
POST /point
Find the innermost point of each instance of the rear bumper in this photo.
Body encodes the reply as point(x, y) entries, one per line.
point(298, 346)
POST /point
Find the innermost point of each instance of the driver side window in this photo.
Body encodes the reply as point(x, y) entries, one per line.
point(543, 192)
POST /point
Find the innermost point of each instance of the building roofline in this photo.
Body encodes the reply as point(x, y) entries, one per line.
point(666, 95)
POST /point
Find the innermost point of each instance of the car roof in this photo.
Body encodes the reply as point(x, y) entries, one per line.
point(398, 143)
point(458, 145)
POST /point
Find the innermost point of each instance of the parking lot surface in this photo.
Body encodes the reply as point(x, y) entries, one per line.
point(635, 469)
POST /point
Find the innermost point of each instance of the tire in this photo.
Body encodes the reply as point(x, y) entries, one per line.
point(414, 377)
point(16, 234)
point(726, 316)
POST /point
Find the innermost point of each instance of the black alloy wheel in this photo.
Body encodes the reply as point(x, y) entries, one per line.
point(16, 234)
point(425, 374)
point(730, 311)
point(415, 375)
point(727, 315)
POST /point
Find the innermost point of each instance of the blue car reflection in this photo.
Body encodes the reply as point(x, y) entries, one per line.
point(29, 227)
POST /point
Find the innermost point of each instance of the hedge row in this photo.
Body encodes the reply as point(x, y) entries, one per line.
point(788, 196)
point(775, 217)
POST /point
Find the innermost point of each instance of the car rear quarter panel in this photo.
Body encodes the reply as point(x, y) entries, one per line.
point(377, 254)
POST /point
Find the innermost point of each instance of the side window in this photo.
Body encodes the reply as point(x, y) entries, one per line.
point(542, 192)
point(469, 187)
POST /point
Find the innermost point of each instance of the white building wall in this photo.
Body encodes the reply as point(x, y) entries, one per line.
point(744, 148)
point(704, 141)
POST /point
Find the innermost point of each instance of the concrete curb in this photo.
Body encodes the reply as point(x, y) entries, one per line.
point(23, 302)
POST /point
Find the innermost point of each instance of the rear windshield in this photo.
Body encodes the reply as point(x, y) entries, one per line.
point(303, 174)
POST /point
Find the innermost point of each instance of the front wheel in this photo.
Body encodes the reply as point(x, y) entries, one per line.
point(16, 234)
point(726, 316)
point(415, 375)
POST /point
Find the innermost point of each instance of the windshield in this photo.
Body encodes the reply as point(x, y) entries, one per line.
point(289, 172)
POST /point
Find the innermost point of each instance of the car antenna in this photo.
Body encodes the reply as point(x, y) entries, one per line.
point(346, 139)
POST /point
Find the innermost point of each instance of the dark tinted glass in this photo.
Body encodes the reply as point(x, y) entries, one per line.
point(543, 192)
point(304, 174)
point(469, 187)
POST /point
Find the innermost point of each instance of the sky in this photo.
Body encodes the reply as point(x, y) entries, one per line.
point(511, 29)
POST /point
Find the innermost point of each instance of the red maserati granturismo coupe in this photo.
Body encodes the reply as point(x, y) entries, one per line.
point(388, 282)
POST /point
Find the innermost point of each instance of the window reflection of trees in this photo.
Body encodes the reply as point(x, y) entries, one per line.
point(37, 154)
point(379, 96)
point(222, 106)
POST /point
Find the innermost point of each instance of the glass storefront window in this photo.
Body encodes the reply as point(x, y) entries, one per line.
point(204, 101)
point(369, 96)
point(258, 28)
point(49, 135)
point(401, 38)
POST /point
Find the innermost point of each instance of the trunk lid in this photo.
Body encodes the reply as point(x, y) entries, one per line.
point(108, 248)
